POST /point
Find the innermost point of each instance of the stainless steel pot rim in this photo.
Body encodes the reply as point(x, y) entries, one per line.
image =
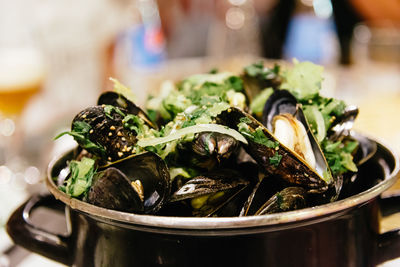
point(228, 222)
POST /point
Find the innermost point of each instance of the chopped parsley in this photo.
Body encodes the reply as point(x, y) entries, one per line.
point(245, 120)
point(339, 156)
point(257, 70)
point(81, 132)
point(259, 137)
point(109, 109)
point(81, 177)
point(136, 124)
point(275, 159)
point(303, 80)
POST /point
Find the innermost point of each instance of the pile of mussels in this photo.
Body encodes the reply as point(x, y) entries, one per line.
point(217, 144)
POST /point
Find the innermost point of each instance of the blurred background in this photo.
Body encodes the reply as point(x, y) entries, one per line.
point(56, 56)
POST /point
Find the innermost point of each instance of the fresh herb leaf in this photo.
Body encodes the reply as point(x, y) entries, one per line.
point(257, 70)
point(321, 112)
point(245, 120)
point(109, 109)
point(134, 123)
point(258, 103)
point(173, 104)
point(316, 120)
point(209, 100)
point(347, 161)
point(174, 172)
point(275, 159)
point(235, 83)
point(123, 90)
point(259, 137)
point(303, 80)
point(188, 123)
point(81, 127)
point(339, 156)
point(217, 108)
point(81, 133)
point(350, 146)
point(152, 114)
point(279, 200)
point(81, 177)
point(254, 69)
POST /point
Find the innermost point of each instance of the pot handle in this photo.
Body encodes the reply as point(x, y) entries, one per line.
point(35, 239)
point(388, 247)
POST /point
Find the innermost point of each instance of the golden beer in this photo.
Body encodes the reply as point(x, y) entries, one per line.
point(21, 77)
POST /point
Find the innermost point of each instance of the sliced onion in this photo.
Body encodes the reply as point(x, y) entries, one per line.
point(192, 130)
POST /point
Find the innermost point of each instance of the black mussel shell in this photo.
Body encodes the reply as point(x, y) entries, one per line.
point(208, 150)
point(111, 189)
point(366, 148)
point(120, 101)
point(153, 174)
point(290, 198)
point(290, 167)
point(109, 139)
point(364, 152)
point(263, 190)
point(342, 125)
point(367, 176)
point(283, 102)
point(219, 187)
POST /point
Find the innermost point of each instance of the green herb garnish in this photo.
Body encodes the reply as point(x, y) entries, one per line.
point(275, 159)
point(339, 156)
point(134, 123)
point(81, 177)
point(259, 137)
point(81, 132)
point(109, 109)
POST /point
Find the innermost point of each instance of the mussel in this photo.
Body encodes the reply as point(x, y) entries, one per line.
point(262, 191)
point(139, 184)
point(275, 157)
point(111, 189)
point(208, 193)
point(118, 100)
point(290, 198)
point(366, 148)
point(284, 117)
point(208, 150)
point(101, 131)
point(341, 126)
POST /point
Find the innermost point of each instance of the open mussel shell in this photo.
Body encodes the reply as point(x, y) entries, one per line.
point(364, 152)
point(106, 132)
point(111, 189)
point(120, 101)
point(262, 191)
point(283, 102)
point(366, 148)
point(291, 167)
point(210, 192)
point(342, 126)
point(208, 150)
point(290, 198)
point(279, 102)
point(153, 174)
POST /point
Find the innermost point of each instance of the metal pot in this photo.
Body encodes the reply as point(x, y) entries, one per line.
point(342, 233)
